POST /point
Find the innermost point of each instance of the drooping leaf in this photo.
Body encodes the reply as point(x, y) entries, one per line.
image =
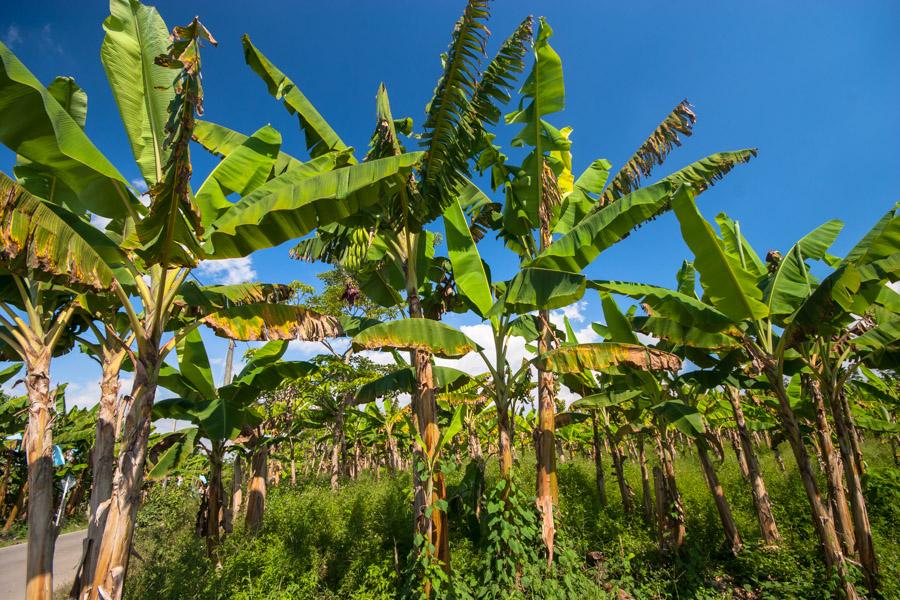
point(881, 336)
point(294, 204)
point(45, 241)
point(203, 299)
point(320, 137)
point(540, 289)
point(682, 308)
point(415, 334)
point(600, 356)
point(36, 127)
point(264, 322)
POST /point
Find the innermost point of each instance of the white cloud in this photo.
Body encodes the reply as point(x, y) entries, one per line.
point(228, 271)
point(895, 285)
point(378, 357)
point(574, 312)
point(139, 184)
point(86, 394)
point(13, 36)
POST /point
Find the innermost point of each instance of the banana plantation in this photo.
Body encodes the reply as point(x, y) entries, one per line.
point(729, 433)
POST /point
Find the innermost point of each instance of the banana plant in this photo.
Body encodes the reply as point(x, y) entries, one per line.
point(391, 249)
point(746, 305)
point(573, 220)
point(63, 179)
point(220, 413)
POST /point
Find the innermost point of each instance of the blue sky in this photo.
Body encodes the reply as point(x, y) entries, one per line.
point(813, 85)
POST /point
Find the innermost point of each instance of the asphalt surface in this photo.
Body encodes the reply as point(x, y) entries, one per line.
point(65, 560)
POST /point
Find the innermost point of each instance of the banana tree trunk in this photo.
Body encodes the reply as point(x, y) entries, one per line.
point(545, 443)
point(102, 467)
point(647, 502)
point(662, 503)
point(39, 449)
point(256, 490)
point(828, 538)
point(393, 454)
point(215, 494)
point(735, 440)
point(674, 506)
point(837, 495)
point(862, 528)
point(115, 546)
point(852, 433)
point(4, 485)
point(624, 489)
point(505, 444)
point(732, 536)
point(761, 502)
point(237, 483)
point(426, 494)
point(435, 528)
point(337, 450)
point(598, 459)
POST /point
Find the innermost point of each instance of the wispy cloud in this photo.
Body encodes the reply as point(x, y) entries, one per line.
point(13, 36)
point(139, 184)
point(228, 271)
point(47, 40)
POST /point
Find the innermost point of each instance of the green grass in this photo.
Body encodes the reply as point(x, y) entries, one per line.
point(353, 543)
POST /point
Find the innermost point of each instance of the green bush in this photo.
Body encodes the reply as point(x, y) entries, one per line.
point(355, 542)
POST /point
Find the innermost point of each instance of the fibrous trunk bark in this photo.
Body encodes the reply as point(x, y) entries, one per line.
point(732, 537)
point(505, 447)
point(647, 502)
point(256, 490)
point(828, 539)
point(237, 484)
point(761, 502)
point(598, 460)
point(865, 548)
point(434, 528)
point(545, 443)
point(674, 506)
point(102, 467)
point(215, 494)
point(39, 450)
point(115, 546)
point(831, 460)
point(624, 489)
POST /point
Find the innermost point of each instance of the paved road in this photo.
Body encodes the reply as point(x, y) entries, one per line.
point(12, 565)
